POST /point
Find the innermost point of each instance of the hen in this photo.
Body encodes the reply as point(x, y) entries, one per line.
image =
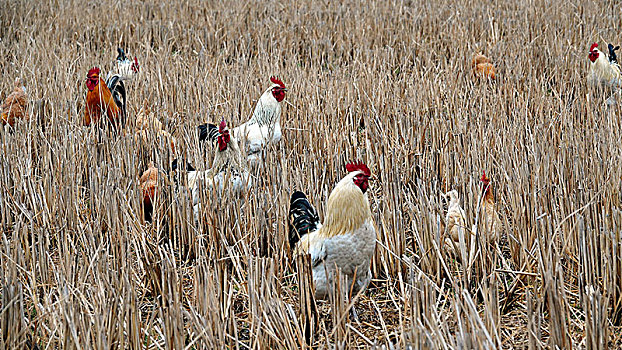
point(455, 222)
point(148, 126)
point(149, 190)
point(483, 67)
point(15, 106)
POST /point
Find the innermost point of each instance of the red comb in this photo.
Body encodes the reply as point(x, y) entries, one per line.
point(93, 70)
point(136, 66)
point(594, 45)
point(484, 178)
point(222, 126)
point(350, 167)
point(278, 81)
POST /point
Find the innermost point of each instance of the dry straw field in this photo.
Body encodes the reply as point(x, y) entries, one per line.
point(80, 267)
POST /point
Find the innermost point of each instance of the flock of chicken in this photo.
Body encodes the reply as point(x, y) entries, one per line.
point(346, 239)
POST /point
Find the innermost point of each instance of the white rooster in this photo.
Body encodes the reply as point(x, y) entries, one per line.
point(347, 238)
point(262, 128)
point(126, 69)
point(604, 70)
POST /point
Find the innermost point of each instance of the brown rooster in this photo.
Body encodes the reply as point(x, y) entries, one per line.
point(483, 67)
point(99, 100)
point(14, 107)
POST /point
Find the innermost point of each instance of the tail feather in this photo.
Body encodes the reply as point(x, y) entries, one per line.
point(303, 218)
point(121, 56)
point(117, 88)
point(613, 58)
point(208, 132)
point(175, 166)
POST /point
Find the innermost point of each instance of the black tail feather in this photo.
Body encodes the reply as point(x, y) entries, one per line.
point(303, 218)
point(208, 132)
point(117, 88)
point(613, 58)
point(174, 166)
point(121, 56)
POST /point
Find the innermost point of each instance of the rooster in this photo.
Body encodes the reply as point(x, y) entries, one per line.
point(604, 71)
point(262, 128)
point(483, 67)
point(99, 100)
point(488, 217)
point(126, 70)
point(15, 106)
point(347, 238)
point(229, 170)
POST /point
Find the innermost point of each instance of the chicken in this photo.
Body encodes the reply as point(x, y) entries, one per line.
point(15, 106)
point(229, 171)
point(489, 220)
point(149, 190)
point(604, 71)
point(148, 125)
point(483, 67)
point(126, 70)
point(456, 226)
point(455, 218)
point(262, 128)
point(347, 238)
point(99, 100)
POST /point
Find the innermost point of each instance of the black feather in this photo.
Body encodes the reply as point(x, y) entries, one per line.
point(121, 56)
point(613, 58)
point(174, 166)
point(303, 218)
point(208, 132)
point(117, 88)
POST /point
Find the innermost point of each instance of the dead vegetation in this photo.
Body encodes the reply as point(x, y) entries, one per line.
point(387, 82)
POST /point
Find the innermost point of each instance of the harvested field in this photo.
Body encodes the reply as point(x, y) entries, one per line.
point(81, 268)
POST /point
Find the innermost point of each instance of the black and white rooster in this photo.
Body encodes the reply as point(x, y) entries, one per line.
point(126, 70)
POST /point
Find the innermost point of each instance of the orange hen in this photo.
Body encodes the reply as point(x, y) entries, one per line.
point(149, 189)
point(483, 67)
point(14, 107)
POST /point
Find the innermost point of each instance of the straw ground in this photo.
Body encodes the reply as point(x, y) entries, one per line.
point(81, 269)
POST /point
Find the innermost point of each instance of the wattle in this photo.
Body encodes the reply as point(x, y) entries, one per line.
point(90, 84)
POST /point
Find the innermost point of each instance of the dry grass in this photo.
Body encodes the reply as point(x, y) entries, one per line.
point(81, 269)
